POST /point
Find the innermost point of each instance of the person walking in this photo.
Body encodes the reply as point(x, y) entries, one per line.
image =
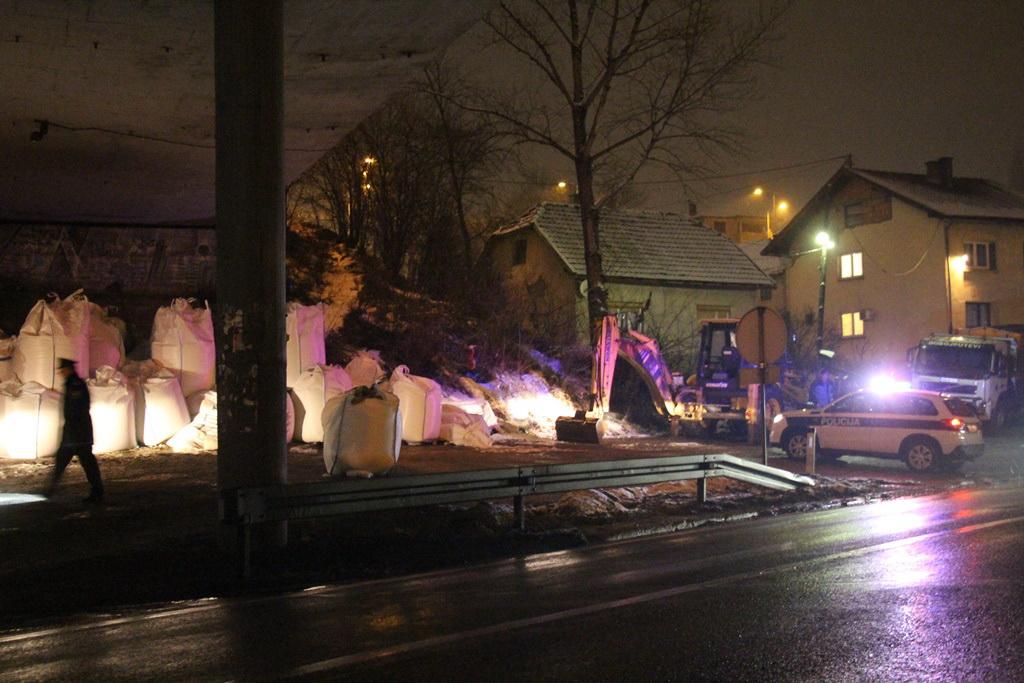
point(77, 437)
point(822, 392)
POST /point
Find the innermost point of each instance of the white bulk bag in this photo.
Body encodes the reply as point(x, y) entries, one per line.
point(183, 343)
point(160, 409)
point(58, 328)
point(364, 369)
point(362, 432)
point(420, 400)
point(201, 433)
point(289, 417)
point(106, 342)
point(32, 419)
point(473, 406)
point(112, 409)
point(7, 346)
point(314, 387)
point(464, 429)
point(304, 326)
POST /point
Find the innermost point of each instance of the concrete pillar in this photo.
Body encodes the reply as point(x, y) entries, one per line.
point(250, 311)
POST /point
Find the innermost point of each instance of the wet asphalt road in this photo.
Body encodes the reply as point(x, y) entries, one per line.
point(918, 589)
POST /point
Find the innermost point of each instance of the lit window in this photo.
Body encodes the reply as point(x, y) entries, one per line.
point(853, 324)
point(979, 314)
point(851, 265)
point(980, 255)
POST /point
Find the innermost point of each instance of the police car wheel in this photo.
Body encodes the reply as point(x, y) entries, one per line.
point(921, 455)
point(795, 444)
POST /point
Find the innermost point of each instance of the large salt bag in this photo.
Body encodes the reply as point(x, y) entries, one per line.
point(420, 400)
point(7, 346)
point(31, 420)
point(304, 327)
point(364, 369)
point(362, 432)
point(183, 343)
point(57, 328)
point(161, 411)
point(314, 387)
point(201, 433)
point(112, 409)
point(106, 340)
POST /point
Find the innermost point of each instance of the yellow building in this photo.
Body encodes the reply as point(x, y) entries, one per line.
point(739, 229)
point(914, 254)
point(664, 272)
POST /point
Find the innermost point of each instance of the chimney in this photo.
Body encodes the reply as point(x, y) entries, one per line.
point(692, 207)
point(940, 172)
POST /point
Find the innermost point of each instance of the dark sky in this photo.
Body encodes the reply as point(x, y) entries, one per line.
point(893, 82)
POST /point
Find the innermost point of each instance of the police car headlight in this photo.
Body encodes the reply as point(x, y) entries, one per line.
point(777, 419)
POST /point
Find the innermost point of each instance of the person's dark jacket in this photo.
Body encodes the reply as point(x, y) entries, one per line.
point(77, 423)
point(821, 393)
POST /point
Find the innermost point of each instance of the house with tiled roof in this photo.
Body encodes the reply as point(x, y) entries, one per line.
point(914, 254)
point(685, 271)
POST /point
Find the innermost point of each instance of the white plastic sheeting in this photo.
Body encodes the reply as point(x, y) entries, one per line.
point(54, 328)
point(183, 343)
point(304, 326)
point(420, 401)
point(201, 433)
point(106, 340)
point(464, 429)
point(365, 369)
point(7, 346)
point(31, 420)
point(362, 432)
point(112, 409)
point(314, 387)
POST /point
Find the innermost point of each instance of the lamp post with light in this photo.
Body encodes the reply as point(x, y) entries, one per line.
point(776, 205)
point(824, 242)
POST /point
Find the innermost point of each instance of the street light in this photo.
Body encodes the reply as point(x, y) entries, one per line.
point(775, 206)
point(824, 242)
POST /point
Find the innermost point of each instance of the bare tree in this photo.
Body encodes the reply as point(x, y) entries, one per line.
point(628, 83)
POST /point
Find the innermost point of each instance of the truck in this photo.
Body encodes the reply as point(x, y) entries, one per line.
point(980, 365)
point(715, 394)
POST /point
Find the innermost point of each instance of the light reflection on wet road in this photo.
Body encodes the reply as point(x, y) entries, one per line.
point(914, 589)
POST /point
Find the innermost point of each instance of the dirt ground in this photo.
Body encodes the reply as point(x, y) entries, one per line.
point(157, 538)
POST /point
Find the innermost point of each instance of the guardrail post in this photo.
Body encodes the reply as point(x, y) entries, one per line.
point(702, 490)
point(518, 514)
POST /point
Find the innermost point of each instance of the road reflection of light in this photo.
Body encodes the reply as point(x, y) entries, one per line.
point(19, 498)
point(551, 560)
point(898, 516)
point(909, 565)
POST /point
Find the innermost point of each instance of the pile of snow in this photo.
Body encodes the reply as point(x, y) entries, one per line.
point(530, 404)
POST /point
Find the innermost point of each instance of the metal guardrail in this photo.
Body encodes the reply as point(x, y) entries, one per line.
point(244, 507)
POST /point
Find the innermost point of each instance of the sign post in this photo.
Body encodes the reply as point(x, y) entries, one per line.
point(761, 340)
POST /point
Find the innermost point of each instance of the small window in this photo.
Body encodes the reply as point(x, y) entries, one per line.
point(520, 254)
point(766, 294)
point(979, 314)
point(853, 324)
point(980, 255)
point(907, 404)
point(851, 265)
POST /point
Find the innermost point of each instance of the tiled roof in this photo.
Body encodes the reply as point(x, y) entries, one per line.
point(771, 265)
point(645, 245)
point(966, 198)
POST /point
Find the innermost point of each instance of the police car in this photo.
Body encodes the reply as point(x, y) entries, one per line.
point(922, 428)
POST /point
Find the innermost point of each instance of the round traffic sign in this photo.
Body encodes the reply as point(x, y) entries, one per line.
point(761, 335)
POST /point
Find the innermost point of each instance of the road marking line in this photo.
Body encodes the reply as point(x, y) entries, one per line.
point(380, 653)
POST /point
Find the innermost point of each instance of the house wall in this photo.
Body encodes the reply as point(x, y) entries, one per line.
point(1002, 288)
point(903, 284)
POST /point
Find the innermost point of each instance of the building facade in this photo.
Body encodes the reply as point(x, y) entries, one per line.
point(914, 254)
point(664, 273)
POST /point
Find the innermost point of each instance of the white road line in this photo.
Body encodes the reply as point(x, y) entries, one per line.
point(426, 643)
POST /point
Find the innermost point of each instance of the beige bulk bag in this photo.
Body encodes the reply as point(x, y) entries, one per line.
point(314, 387)
point(106, 340)
point(289, 416)
point(112, 409)
point(160, 410)
point(7, 346)
point(57, 328)
point(464, 429)
point(201, 433)
point(304, 327)
point(183, 343)
point(420, 400)
point(32, 417)
point(364, 369)
point(362, 432)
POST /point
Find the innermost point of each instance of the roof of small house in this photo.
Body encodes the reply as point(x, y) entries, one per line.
point(644, 245)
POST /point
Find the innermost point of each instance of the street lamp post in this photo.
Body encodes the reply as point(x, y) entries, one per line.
point(824, 243)
point(776, 205)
